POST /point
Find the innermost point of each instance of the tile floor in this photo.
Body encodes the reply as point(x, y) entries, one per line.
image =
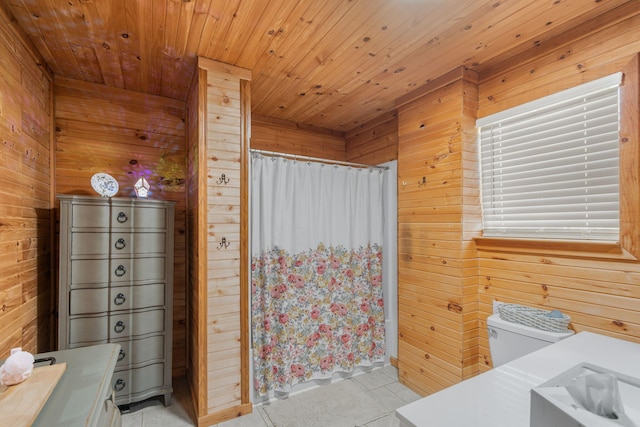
point(366, 400)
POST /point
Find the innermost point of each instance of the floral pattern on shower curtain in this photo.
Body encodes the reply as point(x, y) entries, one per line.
point(317, 300)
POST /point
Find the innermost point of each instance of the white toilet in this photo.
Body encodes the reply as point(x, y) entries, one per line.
point(508, 340)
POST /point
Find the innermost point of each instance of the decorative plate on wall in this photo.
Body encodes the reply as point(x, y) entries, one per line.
point(104, 184)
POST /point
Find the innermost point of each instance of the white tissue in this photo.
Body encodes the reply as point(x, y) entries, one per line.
point(17, 368)
point(598, 393)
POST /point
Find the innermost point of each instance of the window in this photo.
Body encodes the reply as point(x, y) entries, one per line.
point(550, 168)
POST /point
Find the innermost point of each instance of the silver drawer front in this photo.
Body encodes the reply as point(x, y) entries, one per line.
point(88, 301)
point(137, 380)
point(98, 300)
point(137, 351)
point(136, 324)
point(116, 244)
point(88, 329)
point(112, 328)
point(89, 216)
point(134, 297)
point(97, 271)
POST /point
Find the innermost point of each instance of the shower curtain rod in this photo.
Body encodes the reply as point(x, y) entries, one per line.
point(316, 159)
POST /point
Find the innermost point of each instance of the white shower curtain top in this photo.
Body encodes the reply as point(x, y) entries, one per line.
point(332, 205)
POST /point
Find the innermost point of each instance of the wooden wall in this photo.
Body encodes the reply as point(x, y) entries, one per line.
point(374, 142)
point(219, 350)
point(223, 274)
point(282, 136)
point(126, 134)
point(26, 195)
point(599, 287)
point(447, 279)
point(437, 291)
point(446, 284)
point(196, 245)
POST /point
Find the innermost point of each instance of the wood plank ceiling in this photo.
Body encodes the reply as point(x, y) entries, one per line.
point(328, 63)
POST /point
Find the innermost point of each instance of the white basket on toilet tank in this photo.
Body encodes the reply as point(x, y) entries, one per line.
point(509, 340)
point(552, 321)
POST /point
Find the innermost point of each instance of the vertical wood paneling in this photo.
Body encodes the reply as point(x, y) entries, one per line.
point(598, 289)
point(438, 323)
point(126, 134)
point(374, 142)
point(26, 235)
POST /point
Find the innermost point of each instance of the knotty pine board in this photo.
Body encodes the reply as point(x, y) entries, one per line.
point(374, 142)
point(290, 138)
point(598, 290)
point(218, 131)
point(196, 249)
point(126, 134)
point(438, 334)
point(26, 195)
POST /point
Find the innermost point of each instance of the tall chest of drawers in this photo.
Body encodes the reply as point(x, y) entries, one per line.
point(116, 286)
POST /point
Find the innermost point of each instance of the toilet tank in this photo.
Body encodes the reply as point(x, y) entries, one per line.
point(509, 341)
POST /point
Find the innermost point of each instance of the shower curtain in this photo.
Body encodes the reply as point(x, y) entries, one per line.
point(316, 271)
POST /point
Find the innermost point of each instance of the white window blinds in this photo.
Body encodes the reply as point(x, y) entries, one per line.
point(550, 167)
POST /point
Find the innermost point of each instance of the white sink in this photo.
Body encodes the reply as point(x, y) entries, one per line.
point(552, 405)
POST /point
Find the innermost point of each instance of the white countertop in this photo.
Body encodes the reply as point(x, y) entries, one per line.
point(501, 396)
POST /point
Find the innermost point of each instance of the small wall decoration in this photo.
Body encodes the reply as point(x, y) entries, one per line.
point(171, 173)
point(223, 243)
point(223, 180)
point(104, 184)
point(142, 188)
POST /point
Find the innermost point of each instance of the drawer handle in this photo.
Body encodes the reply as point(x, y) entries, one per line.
point(121, 355)
point(122, 218)
point(119, 299)
point(120, 271)
point(119, 327)
point(120, 244)
point(120, 385)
